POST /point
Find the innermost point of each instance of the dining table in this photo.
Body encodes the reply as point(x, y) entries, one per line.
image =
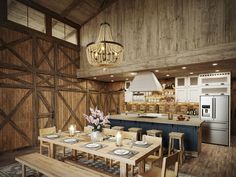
point(107, 149)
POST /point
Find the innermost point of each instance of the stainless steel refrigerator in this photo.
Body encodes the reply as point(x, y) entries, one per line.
point(215, 112)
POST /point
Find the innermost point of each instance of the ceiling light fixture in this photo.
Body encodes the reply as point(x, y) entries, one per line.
point(112, 80)
point(94, 78)
point(167, 75)
point(156, 70)
point(127, 79)
point(214, 64)
point(191, 73)
point(217, 70)
point(112, 75)
point(104, 52)
point(184, 67)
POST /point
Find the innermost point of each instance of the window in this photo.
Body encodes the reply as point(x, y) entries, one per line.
point(24, 15)
point(65, 32)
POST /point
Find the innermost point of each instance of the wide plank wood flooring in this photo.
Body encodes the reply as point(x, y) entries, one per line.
point(214, 160)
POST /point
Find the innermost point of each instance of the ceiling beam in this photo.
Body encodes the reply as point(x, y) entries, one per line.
point(70, 7)
point(105, 4)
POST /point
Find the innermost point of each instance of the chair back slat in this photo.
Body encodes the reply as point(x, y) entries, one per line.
point(169, 161)
point(129, 135)
point(151, 139)
point(109, 132)
point(47, 131)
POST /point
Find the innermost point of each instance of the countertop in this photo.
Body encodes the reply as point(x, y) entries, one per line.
point(162, 118)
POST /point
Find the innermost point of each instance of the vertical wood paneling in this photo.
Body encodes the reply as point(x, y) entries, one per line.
point(154, 29)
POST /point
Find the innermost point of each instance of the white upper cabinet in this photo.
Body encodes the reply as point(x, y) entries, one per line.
point(180, 82)
point(215, 83)
point(187, 89)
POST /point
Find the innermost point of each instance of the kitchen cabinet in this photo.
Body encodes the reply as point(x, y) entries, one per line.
point(181, 95)
point(180, 82)
point(215, 83)
point(187, 89)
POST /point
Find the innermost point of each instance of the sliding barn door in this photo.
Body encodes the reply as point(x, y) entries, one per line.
point(16, 90)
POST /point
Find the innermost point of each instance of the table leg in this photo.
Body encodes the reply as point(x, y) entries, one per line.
point(74, 154)
point(123, 169)
point(141, 167)
point(23, 171)
point(52, 150)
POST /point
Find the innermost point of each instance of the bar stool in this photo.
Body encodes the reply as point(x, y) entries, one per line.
point(153, 132)
point(136, 130)
point(120, 128)
point(180, 137)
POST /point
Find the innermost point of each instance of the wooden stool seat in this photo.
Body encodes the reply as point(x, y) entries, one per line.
point(180, 137)
point(154, 132)
point(136, 130)
point(121, 128)
point(176, 135)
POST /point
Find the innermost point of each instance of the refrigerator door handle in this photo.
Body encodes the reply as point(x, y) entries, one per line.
point(213, 108)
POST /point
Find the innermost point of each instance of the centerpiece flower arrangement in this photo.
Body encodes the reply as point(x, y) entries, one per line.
point(96, 119)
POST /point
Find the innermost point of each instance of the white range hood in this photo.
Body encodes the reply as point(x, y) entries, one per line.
point(145, 82)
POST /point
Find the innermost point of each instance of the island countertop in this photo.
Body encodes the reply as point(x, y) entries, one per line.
point(162, 119)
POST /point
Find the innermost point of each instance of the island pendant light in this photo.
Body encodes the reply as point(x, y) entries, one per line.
point(104, 52)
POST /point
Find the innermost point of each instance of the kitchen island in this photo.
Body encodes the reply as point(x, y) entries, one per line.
point(192, 129)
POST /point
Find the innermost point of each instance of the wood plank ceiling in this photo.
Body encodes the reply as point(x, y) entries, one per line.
point(78, 11)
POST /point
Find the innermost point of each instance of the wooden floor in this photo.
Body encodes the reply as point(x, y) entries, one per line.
point(214, 161)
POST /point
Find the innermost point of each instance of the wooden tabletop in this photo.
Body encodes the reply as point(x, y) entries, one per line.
point(104, 152)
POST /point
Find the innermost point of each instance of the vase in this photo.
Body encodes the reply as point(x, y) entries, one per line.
point(96, 136)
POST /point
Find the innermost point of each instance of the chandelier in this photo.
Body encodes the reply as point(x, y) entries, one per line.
point(104, 52)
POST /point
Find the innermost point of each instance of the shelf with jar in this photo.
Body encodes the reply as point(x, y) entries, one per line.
point(167, 95)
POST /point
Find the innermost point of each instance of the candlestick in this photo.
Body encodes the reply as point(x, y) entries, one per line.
point(71, 130)
point(118, 139)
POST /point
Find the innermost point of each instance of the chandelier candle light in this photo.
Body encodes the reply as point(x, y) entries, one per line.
point(104, 52)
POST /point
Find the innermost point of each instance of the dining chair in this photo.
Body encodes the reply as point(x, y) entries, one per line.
point(43, 132)
point(129, 135)
point(164, 172)
point(150, 160)
point(109, 132)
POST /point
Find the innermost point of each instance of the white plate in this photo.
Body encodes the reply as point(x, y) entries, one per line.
point(70, 140)
point(140, 143)
point(52, 136)
point(92, 145)
point(121, 152)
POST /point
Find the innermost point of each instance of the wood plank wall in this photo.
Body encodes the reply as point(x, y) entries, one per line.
point(164, 33)
point(39, 88)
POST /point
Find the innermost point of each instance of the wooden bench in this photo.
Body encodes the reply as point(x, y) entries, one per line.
point(52, 168)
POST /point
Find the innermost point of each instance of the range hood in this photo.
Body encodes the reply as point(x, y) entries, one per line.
point(145, 82)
